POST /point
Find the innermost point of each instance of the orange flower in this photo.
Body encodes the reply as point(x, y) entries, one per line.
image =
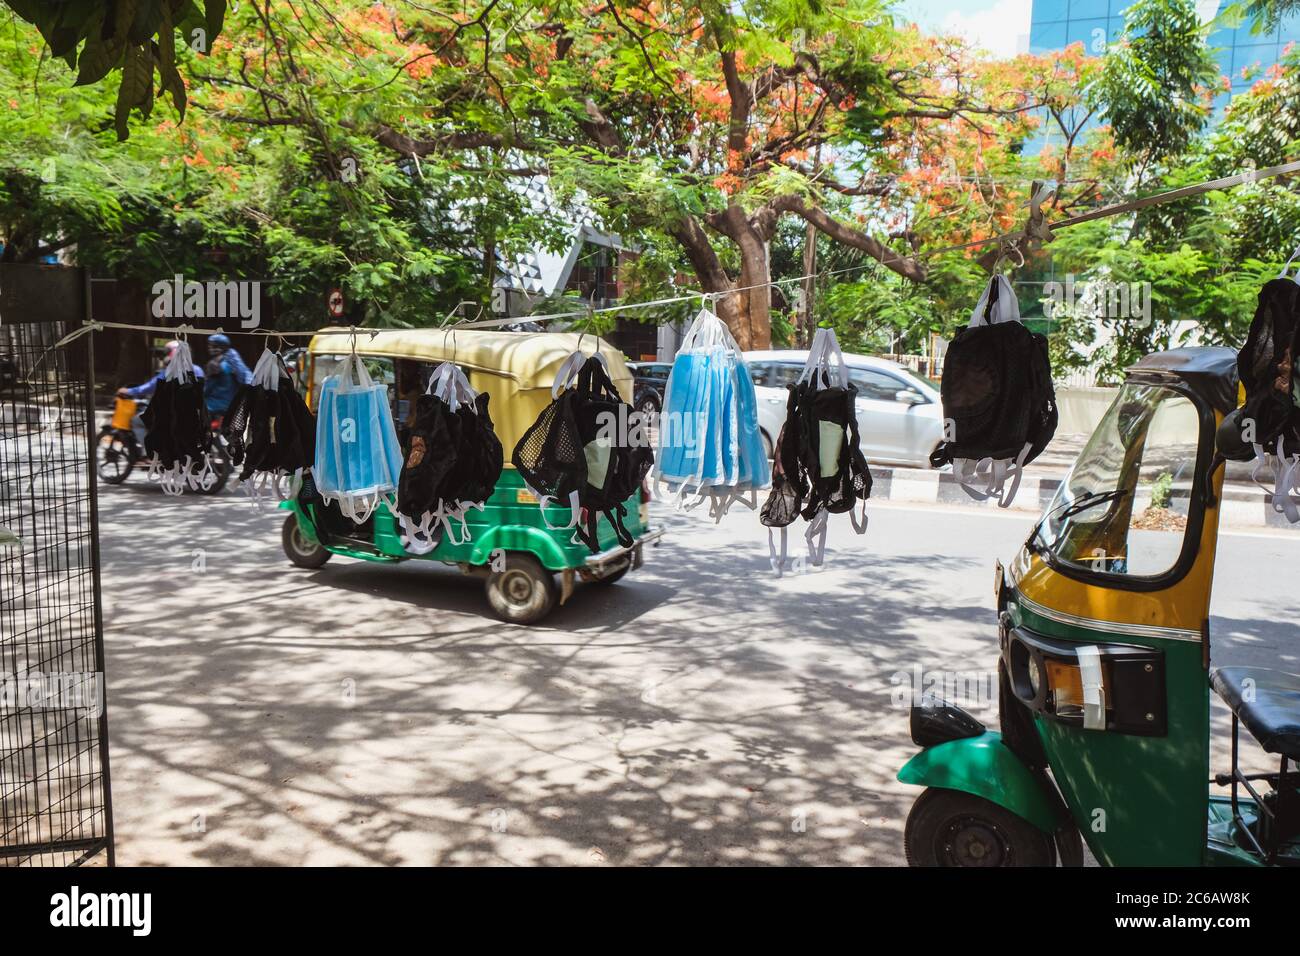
point(727, 183)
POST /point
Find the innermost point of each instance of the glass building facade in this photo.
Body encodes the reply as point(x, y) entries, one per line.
point(1056, 24)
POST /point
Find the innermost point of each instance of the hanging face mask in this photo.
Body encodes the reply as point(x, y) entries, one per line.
point(1266, 428)
point(820, 469)
point(176, 429)
point(453, 463)
point(998, 398)
point(358, 459)
point(588, 448)
point(271, 433)
point(710, 447)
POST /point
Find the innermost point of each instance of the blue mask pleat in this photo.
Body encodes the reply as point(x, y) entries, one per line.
point(754, 468)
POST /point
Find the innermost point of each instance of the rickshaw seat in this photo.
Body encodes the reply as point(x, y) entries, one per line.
point(1267, 702)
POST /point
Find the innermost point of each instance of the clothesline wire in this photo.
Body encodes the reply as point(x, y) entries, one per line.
point(1006, 240)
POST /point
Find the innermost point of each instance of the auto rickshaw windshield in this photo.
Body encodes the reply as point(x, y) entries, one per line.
point(1124, 507)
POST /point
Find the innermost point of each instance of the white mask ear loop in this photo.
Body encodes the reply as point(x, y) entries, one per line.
point(816, 538)
point(568, 372)
point(778, 560)
point(418, 538)
point(574, 511)
point(1283, 501)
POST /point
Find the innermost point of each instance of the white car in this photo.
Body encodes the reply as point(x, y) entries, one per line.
point(900, 418)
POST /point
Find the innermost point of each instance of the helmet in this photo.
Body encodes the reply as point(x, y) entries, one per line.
point(218, 341)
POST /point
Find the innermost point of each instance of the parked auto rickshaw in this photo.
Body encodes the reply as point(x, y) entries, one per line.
point(1105, 667)
point(510, 545)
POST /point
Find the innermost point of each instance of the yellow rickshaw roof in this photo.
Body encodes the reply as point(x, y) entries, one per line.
point(529, 359)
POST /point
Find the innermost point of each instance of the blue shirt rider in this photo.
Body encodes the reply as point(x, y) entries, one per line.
point(223, 376)
point(148, 388)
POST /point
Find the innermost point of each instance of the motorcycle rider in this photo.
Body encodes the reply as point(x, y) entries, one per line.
point(147, 389)
point(223, 375)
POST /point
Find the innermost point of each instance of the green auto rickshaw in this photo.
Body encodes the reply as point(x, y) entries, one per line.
point(510, 545)
point(1105, 667)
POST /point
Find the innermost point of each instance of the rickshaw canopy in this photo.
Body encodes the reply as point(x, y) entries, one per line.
point(1210, 373)
point(517, 369)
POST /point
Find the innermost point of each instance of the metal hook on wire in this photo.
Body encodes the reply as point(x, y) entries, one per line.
point(1005, 250)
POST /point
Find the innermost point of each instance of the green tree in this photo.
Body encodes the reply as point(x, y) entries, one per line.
point(1152, 87)
point(215, 198)
point(136, 38)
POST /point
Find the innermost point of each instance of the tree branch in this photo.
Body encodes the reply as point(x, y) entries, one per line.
point(847, 235)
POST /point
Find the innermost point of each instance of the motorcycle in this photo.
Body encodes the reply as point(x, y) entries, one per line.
point(120, 447)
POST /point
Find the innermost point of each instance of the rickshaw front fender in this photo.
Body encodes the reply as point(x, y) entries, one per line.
point(985, 767)
point(306, 527)
point(541, 544)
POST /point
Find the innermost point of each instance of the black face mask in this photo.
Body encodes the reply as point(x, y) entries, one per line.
point(270, 433)
point(1267, 426)
point(819, 468)
point(998, 400)
point(584, 449)
point(453, 462)
point(176, 430)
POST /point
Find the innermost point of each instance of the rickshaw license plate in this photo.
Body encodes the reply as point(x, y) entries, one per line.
point(525, 497)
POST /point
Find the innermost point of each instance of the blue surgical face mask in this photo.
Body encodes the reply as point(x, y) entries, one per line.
point(358, 458)
point(754, 468)
point(709, 440)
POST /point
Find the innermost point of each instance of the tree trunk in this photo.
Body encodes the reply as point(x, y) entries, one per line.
point(133, 361)
point(747, 311)
point(750, 315)
point(755, 302)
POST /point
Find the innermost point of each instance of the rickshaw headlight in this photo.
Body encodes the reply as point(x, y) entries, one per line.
point(1048, 675)
point(1066, 682)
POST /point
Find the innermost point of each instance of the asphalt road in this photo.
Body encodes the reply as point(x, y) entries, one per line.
point(698, 712)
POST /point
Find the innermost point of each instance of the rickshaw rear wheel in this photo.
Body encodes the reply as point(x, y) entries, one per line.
point(952, 828)
point(299, 549)
point(523, 592)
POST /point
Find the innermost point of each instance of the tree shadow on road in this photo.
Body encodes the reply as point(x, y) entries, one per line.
point(700, 711)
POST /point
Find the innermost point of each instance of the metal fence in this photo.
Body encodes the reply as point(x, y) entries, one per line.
point(932, 367)
point(929, 366)
point(55, 806)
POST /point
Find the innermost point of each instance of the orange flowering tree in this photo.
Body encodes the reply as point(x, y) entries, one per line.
point(382, 146)
point(696, 129)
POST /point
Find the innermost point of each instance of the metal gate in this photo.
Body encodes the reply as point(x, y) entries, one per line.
point(55, 807)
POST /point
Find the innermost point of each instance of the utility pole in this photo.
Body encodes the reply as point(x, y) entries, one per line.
point(804, 315)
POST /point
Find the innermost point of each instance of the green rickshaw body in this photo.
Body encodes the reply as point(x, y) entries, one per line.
point(983, 766)
point(1104, 670)
point(510, 521)
point(1137, 800)
point(518, 550)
